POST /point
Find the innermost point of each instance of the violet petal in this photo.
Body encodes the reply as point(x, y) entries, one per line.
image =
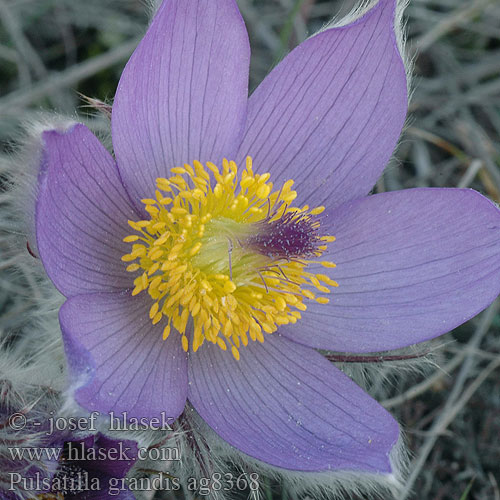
point(288, 406)
point(411, 265)
point(114, 458)
point(81, 214)
point(129, 367)
point(183, 93)
point(330, 114)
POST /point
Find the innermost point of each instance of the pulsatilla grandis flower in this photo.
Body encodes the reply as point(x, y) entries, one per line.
point(93, 468)
point(230, 238)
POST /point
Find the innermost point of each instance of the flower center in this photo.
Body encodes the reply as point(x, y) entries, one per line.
point(225, 257)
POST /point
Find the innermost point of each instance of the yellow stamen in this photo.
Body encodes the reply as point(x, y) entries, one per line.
point(210, 261)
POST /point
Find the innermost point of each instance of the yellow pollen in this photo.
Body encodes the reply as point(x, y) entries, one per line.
point(224, 257)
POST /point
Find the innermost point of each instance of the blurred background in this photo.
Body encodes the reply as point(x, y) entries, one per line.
point(51, 51)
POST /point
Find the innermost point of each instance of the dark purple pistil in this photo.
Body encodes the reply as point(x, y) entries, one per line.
point(291, 236)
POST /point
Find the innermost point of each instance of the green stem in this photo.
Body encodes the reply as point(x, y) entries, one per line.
point(286, 31)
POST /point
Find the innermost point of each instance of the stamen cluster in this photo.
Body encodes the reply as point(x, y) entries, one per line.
point(225, 257)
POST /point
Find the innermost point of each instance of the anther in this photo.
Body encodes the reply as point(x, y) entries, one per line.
point(214, 243)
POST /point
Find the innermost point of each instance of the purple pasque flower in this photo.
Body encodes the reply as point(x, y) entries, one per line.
point(215, 255)
point(95, 468)
point(21, 428)
point(39, 461)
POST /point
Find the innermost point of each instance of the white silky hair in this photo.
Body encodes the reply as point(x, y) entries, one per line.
point(35, 354)
point(363, 7)
point(32, 374)
point(205, 454)
point(152, 7)
point(21, 168)
point(32, 361)
point(393, 368)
